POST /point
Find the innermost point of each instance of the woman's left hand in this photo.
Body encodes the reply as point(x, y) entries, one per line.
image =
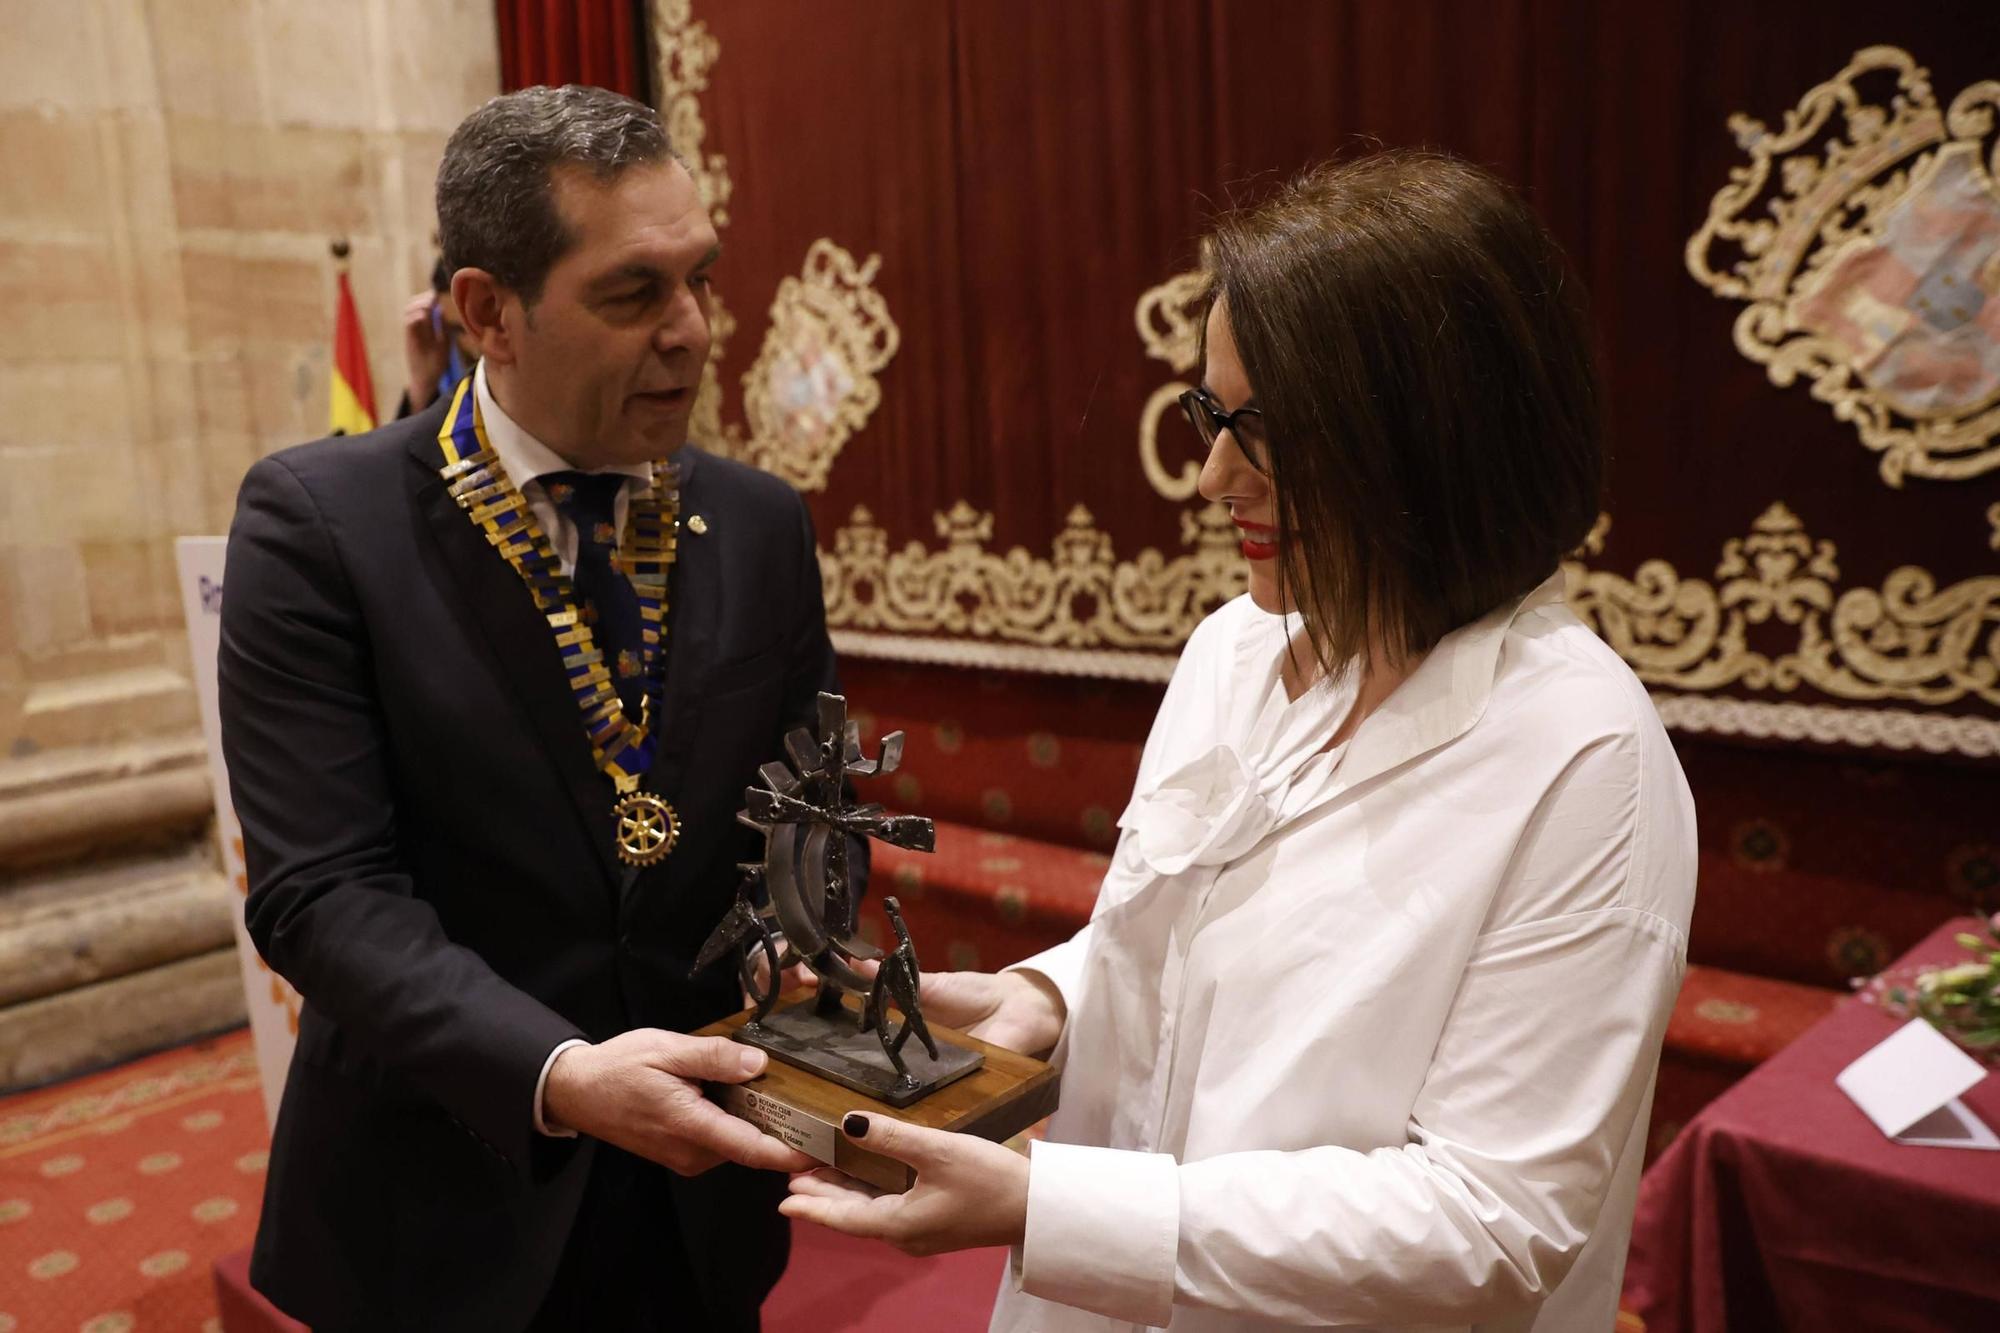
point(969, 1192)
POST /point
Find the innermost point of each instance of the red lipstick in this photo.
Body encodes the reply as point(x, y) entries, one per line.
point(1259, 542)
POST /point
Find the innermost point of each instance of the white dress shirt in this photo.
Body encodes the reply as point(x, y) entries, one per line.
point(1366, 1037)
point(526, 460)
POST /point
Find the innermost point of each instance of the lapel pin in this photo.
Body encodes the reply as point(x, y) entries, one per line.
point(697, 525)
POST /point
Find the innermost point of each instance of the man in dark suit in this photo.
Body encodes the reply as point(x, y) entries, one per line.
point(434, 690)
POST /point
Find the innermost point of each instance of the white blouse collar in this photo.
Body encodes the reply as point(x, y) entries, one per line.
point(1257, 770)
point(1446, 694)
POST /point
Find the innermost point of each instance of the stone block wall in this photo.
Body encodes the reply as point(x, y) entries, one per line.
point(174, 171)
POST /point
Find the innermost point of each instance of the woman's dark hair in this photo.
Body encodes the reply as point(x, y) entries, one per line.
point(1423, 362)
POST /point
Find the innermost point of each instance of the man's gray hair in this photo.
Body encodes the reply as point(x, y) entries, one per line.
point(495, 195)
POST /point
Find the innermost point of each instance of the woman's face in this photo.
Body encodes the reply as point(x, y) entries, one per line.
point(1228, 478)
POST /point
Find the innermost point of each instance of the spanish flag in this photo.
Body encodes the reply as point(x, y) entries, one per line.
point(353, 402)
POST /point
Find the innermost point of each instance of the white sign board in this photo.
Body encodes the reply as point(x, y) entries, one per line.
point(1909, 1085)
point(273, 1004)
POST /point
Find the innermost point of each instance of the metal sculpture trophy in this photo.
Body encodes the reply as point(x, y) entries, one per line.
point(847, 1036)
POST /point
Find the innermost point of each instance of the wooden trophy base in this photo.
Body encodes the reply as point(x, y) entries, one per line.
point(1005, 1094)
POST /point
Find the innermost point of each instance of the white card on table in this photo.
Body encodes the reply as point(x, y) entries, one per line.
point(1952, 1125)
point(1909, 1085)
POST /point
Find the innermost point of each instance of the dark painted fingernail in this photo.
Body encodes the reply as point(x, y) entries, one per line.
point(855, 1126)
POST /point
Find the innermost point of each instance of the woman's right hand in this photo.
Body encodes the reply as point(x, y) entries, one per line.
point(1022, 1011)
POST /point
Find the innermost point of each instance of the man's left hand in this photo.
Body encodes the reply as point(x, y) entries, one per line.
point(969, 1192)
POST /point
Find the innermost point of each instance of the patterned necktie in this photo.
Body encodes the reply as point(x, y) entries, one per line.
point(610, 606)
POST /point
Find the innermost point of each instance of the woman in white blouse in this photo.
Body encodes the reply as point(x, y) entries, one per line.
point(1364, 1026)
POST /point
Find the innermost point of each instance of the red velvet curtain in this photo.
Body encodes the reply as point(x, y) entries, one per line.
point(598, 42)
point(1026, 172)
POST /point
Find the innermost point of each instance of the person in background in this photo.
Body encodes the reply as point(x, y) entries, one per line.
point(1362, 1032)
point(437, 351)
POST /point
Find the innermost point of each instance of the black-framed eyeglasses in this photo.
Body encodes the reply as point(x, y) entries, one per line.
point(1245, 426)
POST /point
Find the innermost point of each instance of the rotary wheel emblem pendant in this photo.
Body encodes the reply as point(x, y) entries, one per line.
point(648, 828)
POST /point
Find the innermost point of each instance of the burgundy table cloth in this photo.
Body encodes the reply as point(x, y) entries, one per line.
point(1782, 1207)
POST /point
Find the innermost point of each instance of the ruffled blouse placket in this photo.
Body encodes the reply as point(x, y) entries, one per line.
point(1189, 828)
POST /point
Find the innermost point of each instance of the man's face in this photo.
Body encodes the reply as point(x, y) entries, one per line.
point(606, 362)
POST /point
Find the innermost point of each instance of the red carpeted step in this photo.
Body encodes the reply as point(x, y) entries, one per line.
point(243, 1309)
point(1736, 1019)
point(835, 1284)
point(983, 900)
point(1045, 757)
point(1724, 1024)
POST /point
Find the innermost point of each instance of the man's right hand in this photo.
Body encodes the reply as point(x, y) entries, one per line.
point(641, 1090)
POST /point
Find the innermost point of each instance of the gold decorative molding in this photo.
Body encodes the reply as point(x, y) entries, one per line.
point(1094, 664)
point(1080, 610)
point(683, 53)
point(1873, 270)
point(813, 383)
point(705, 425)
point(1908, 640)
point(1830, 724)
point(1081, 596)
point(1169, 323)
point(1074, 613)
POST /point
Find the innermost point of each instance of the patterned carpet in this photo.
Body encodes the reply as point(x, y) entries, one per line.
point(120, 1190)
point(117, 1191)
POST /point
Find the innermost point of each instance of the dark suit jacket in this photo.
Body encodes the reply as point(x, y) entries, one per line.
point(431, 864)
